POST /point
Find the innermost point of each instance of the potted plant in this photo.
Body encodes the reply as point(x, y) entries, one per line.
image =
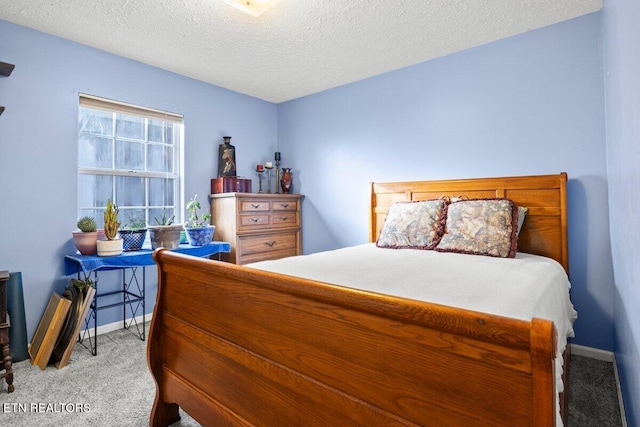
point(86, 237)
point(199, 231)
point(113, 245)
point(165, 234)
point(133, 233)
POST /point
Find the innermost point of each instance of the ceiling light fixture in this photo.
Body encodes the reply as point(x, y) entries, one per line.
point(252, 7)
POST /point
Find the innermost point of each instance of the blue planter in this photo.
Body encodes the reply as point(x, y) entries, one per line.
point(200, 236)
point(132, 240)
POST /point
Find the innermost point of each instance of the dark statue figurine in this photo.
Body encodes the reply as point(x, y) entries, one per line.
point(226, 158)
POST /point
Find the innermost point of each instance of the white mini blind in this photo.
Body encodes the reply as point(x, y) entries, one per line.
point(90, 101)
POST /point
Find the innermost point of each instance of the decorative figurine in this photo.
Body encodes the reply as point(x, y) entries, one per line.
point(226, 158)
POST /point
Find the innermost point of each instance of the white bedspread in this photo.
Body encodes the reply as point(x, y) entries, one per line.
point(523, 287)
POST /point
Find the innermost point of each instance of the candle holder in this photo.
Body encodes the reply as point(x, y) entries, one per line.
point(259, 172)
point(278, 176)
point(268, 168)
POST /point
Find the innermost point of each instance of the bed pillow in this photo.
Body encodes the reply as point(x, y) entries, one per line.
point(416, 225)
point(522, 214)
point(481, 227)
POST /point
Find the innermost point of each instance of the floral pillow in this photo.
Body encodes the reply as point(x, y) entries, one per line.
point(416, 225)
point(481, 227)
point(522, 214)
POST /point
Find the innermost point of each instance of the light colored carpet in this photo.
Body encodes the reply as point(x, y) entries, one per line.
point(114, 388)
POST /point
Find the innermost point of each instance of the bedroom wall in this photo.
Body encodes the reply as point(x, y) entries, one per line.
point(38, 147)
point(527, 105)
point(622, 105)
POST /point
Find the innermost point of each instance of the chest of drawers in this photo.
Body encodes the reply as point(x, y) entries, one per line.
point(258, 226)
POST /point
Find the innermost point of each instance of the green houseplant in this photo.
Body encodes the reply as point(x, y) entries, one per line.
point(164, 233)
point(86, 237)
point(199, 231)
point(133, 233)
point(113, 245)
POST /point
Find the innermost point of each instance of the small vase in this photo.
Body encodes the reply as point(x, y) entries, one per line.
point(285, 181)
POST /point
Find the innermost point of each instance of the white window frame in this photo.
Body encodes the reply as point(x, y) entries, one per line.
point(117, 107)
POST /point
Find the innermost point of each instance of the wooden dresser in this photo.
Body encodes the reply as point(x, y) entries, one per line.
point(258, 226)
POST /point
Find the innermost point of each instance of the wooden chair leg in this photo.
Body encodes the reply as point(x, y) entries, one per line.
point(6, 354)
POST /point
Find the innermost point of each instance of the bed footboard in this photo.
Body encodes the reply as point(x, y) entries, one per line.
point(241, 347)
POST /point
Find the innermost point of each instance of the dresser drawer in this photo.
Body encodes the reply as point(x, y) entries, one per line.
point(266, 221)
point(258, 219)
point(265, 256)
point(284, 205)
point(254, 206)
point(267, 243)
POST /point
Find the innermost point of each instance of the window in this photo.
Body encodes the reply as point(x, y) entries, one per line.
point(131, 155)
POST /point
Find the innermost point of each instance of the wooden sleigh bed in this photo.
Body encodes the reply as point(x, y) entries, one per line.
point(236, 346)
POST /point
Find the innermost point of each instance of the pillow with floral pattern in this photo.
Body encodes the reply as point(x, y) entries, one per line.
point(481, 227)
point(415, 224)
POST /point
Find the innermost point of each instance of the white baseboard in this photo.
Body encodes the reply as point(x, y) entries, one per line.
point(110, 327)
point(606, 356)
point(593, 353)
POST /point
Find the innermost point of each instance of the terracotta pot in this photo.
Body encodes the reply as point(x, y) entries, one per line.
point(86, 242)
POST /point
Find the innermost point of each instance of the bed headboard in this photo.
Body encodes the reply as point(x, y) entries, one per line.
point(544, 231)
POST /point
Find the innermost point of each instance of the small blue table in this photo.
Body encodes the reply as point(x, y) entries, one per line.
point(88, 264)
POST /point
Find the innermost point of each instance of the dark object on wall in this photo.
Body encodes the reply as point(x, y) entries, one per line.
point(5, 70)
point(18, 329)
point(226, 158)
point(230, 184)
point(286, 180)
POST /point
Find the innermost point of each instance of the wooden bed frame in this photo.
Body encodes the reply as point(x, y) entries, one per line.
point(236, 346)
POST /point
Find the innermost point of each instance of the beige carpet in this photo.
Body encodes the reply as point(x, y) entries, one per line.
point(113, 388)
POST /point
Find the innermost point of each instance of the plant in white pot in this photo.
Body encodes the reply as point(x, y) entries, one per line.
point(133, 233)
point(199, 231)
point(165, 234)
point(85, 239)
point(113, 245)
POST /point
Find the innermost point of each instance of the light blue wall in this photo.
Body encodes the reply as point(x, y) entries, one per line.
point(622, 101)
point(38, 146)
point(530, 104)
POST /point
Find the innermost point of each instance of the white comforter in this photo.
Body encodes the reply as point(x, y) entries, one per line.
point(523, 287)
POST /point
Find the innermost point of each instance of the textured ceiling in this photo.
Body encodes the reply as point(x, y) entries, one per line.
point(297, 48)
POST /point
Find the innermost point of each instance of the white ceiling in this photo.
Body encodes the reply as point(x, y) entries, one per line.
point(297, 48)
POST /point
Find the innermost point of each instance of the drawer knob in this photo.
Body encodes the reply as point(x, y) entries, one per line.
point(284, 218)
point(270, 244)
point(255, 206)
point(284, 205)
point(254, 219)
